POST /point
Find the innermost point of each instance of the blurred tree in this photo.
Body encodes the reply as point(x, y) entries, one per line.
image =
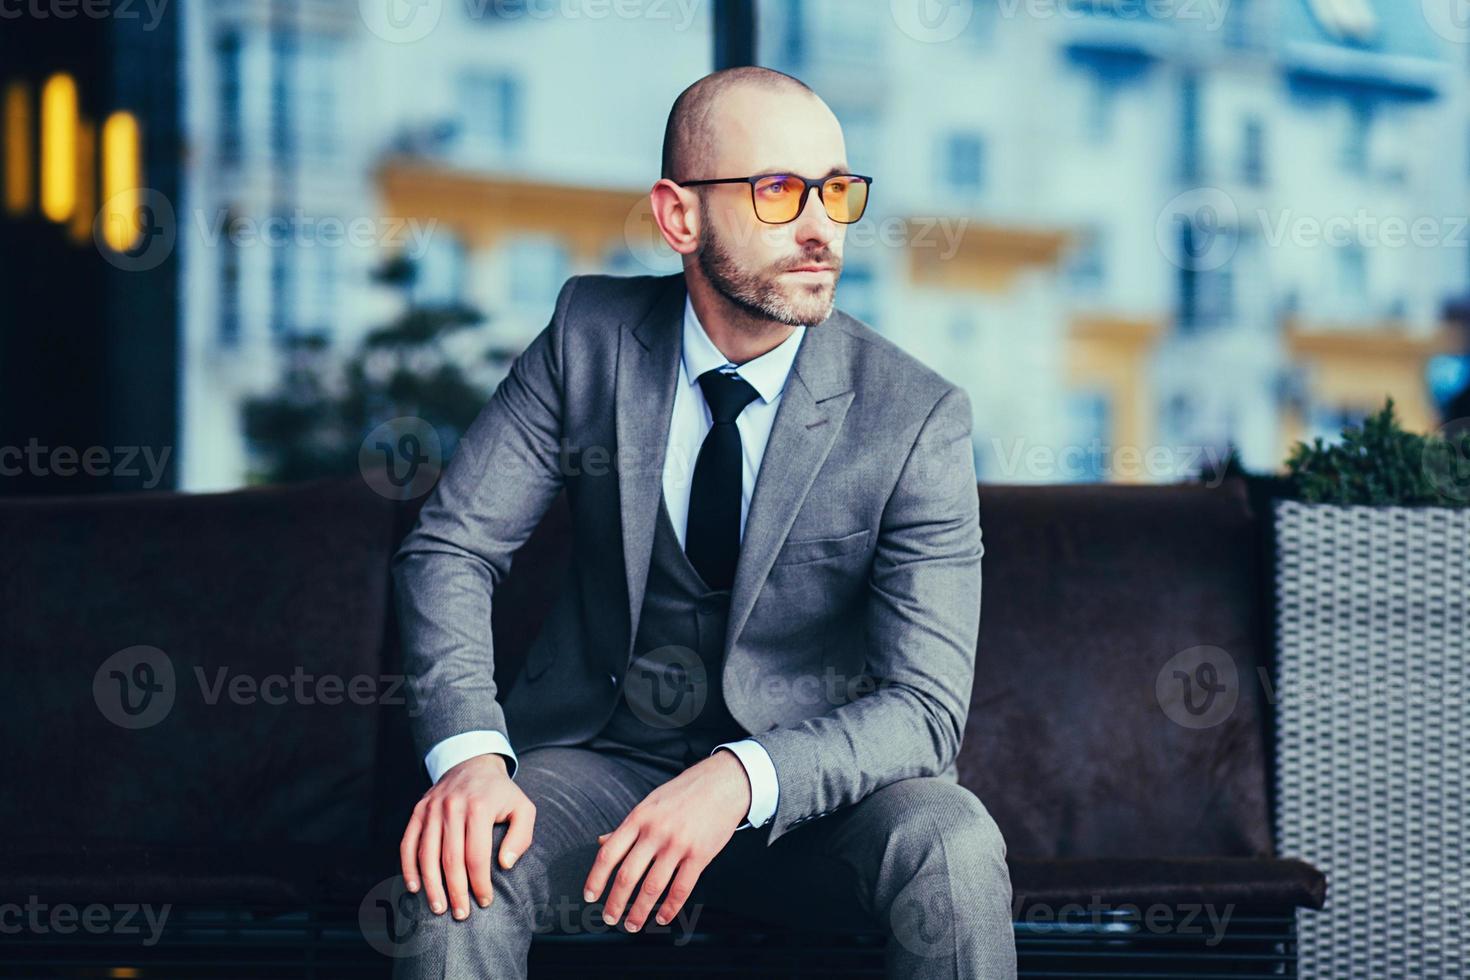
point(314, 422)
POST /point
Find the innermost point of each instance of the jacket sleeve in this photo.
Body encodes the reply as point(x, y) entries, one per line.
point(503, 477)
point(923, 622)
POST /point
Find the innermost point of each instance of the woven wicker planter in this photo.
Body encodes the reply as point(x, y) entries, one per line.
point(1373, 733)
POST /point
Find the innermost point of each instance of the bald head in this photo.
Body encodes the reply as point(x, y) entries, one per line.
point(692, 132)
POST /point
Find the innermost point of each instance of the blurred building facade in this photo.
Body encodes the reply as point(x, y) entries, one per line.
point(1180, 232)
point(494, 151)
point(1133, 238)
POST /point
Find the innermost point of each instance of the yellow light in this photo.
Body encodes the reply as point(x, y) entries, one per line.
point(80, 226)
point(17, 148)
point(122, 180)
point(59, 147)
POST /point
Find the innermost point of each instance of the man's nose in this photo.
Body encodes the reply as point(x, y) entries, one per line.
point(814, 224)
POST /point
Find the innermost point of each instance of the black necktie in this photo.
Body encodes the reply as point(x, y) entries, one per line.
point(712, 536)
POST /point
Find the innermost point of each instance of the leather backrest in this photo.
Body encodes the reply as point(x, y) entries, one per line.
point(242, 594)
point(1100, 604)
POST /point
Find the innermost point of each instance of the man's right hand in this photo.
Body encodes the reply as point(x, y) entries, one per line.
point(451, 833)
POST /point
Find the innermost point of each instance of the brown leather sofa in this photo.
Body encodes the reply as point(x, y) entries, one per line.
point(262, 808)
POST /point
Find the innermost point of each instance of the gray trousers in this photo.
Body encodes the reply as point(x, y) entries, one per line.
point(921, 859)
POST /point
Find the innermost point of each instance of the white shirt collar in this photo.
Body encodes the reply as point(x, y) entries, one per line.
point(767, 374)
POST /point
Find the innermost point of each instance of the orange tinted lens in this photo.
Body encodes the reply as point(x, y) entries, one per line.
point(776, 198)
point(845, 198)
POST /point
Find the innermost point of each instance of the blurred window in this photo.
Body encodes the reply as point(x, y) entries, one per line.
point(964, 163)
point(1090, 418)
point(855, 293)
point(283, 65)
point(229, 51)
point(229, 291)
point(1354, 155)
point(489, 112)
point(440, 275)
point(1085, 262)
point(1253, 152)
point(537, 267)
point(284, 266)
point(316, 117)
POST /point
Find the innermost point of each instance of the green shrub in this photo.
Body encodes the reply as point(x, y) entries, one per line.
point(1379, 463)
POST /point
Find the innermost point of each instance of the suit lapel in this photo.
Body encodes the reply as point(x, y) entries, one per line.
point(648, 370)
point(813, 406)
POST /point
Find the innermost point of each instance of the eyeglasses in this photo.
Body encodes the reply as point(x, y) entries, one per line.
point(779, 198)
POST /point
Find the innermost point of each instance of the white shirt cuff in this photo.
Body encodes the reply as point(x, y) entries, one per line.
point(466, 745)
point(765, 792)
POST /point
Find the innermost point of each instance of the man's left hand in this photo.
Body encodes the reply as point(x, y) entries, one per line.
point(678, 828)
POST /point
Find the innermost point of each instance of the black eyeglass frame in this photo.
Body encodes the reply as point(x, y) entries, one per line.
point(806, 188)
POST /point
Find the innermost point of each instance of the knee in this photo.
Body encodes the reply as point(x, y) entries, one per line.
point(516, 889)
point(975, 830)
point(941, 861)
point(945, 824)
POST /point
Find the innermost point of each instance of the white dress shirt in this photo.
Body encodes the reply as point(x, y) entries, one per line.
point(689, 425)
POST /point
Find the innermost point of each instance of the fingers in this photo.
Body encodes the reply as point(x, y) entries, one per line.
point(430, 842)
point(517, 838)
point(609, 854)
point(654, 884)
point(448, 847)
point(408, 848)
point(630, 872)
point(679, 892)
point(479, 840)
point(453, 857)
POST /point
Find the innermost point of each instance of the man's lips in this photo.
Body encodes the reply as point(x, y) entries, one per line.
point(811, 268)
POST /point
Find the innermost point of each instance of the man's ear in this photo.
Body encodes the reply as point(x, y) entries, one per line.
point(676, 214)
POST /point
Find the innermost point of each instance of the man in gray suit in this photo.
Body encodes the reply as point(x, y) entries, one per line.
point(751, 690)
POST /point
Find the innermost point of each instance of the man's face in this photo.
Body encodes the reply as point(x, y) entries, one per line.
point(754, 264)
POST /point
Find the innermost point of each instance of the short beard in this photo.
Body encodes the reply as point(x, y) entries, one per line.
point(761, 297)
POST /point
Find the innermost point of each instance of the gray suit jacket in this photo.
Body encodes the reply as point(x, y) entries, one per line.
point(856, 602)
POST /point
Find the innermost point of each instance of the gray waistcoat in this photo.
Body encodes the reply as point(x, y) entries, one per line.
point(672, 709)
